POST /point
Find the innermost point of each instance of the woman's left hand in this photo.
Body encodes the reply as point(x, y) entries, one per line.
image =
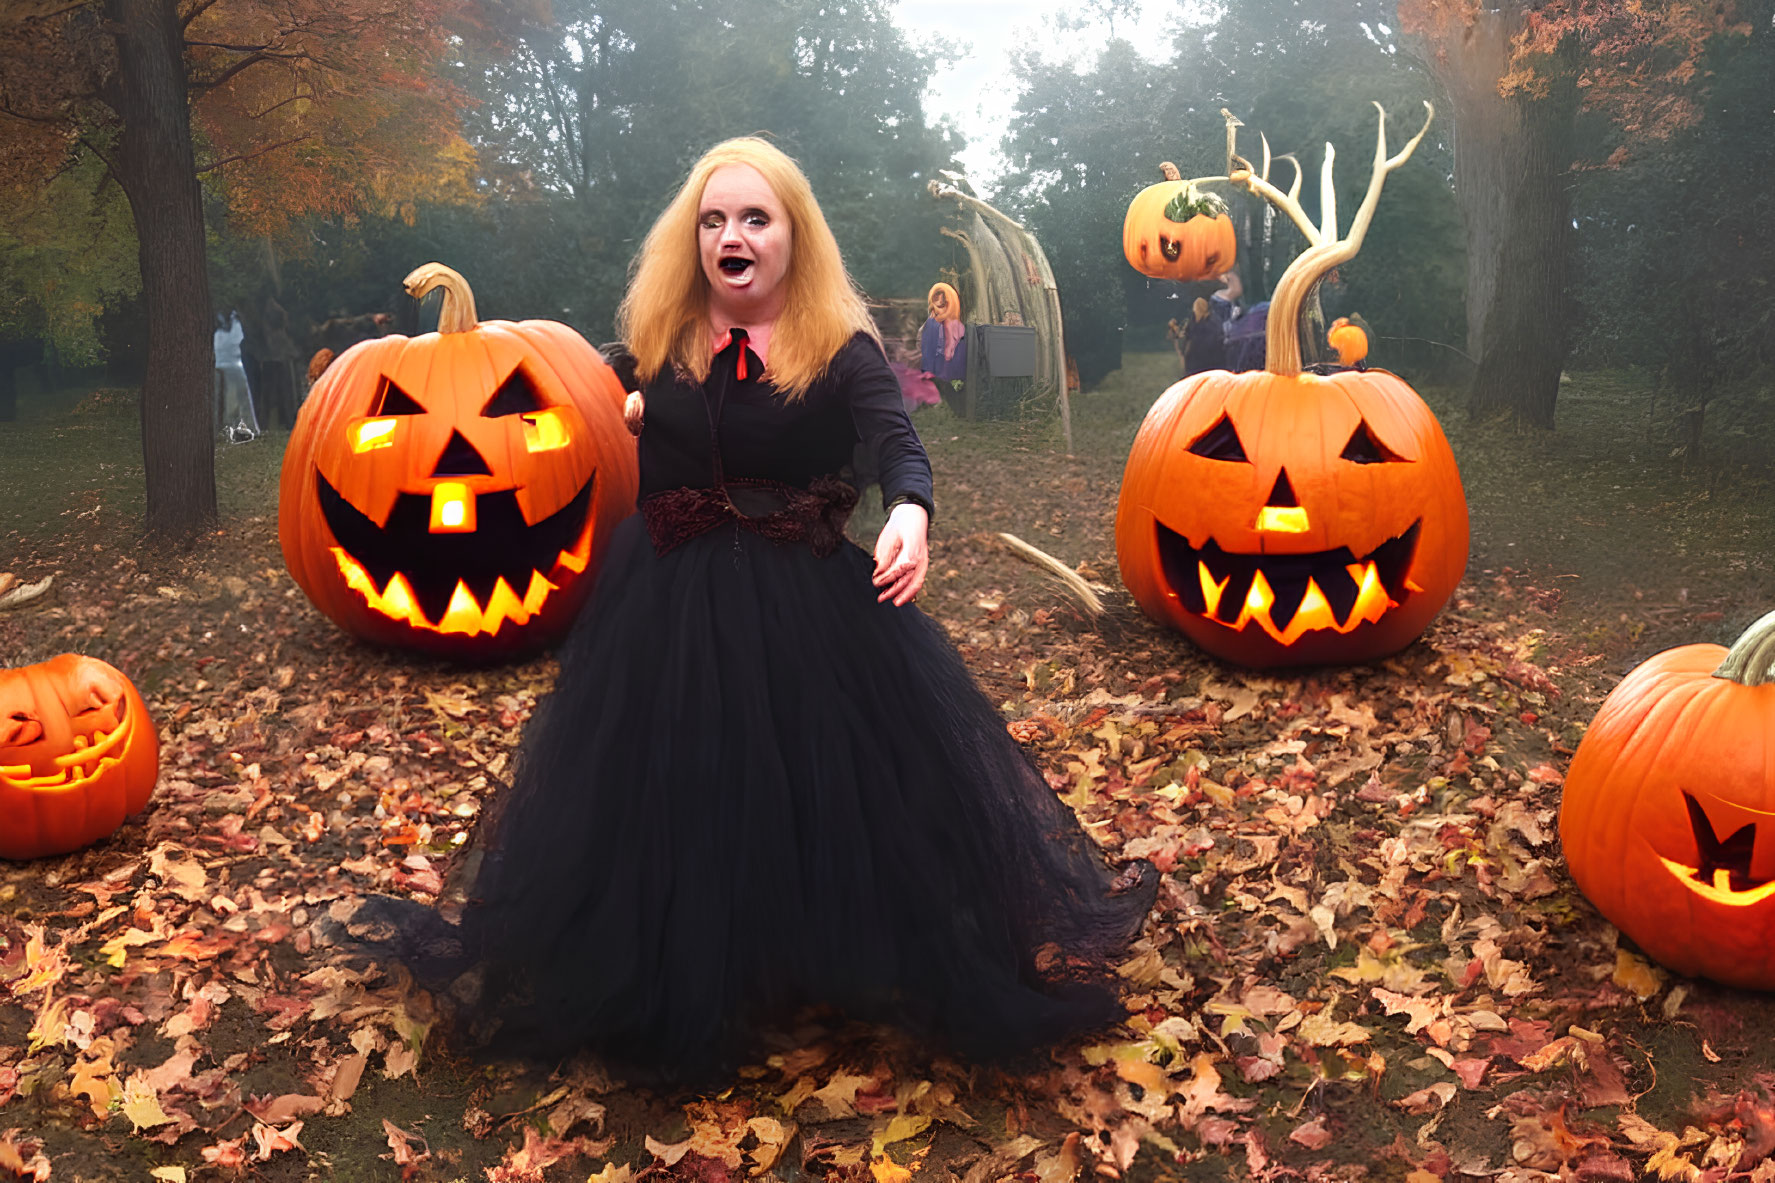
point(902, 555)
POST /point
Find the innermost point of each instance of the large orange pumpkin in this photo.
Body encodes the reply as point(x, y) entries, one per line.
point(453, 492)
point(1173, 230)
point(1282, 517)
point(1668, 813)
point(78, 754)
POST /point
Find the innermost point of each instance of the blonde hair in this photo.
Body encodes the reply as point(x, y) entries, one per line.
point(1200, 308)
point(664, 317)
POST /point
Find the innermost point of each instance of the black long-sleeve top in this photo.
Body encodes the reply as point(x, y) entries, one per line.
point(764, 436)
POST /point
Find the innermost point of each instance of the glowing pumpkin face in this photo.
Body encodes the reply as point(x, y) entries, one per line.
point(452, 492)
point(78, 754)
point(1668, 813)
point(1292, 520)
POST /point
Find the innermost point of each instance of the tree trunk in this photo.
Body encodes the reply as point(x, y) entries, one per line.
point(1512, 157)
point(157, 170)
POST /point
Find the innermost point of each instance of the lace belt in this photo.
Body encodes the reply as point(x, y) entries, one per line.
point(815, 515)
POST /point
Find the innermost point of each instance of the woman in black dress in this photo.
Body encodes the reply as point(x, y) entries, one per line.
point(764, 780)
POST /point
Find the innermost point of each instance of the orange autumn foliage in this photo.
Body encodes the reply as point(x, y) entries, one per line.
point(330, 107)
point(1638, 60)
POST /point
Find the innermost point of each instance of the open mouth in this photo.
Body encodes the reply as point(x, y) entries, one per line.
point(1289, 594)
point(1724, 875)
point(457, 582)
point(734, 266)
point(92, 755)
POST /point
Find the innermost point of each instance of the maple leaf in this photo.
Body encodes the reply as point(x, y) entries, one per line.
point(141, 1104)
point(840, 1093)
point(1312, 1134)
point(23, 1157)
point(401, 1143)
point(228, 1154)
point(271, 1139)
point(530, 1162)
point(1428, 1099)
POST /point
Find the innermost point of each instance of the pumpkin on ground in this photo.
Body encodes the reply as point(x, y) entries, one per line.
point(1175, 230)
point(78, 754)
point(452, 492)
point(1281, 517)
point(1668, 812)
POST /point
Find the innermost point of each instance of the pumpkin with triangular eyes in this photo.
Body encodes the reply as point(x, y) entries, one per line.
point(1292, 520)
point(78, 755)
point(453, 492)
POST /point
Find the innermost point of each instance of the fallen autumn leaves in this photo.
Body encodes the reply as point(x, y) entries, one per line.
point(1366, 961)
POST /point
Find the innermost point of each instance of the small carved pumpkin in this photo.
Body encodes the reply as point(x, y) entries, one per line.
point(78, 754)
point(453, 492)
point(1349, 340)
point(944, 304)
point(1282, 517)
point(1174, 230)
point(1668, 812)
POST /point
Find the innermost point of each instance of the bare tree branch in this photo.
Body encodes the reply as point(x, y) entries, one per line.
point(197, 10)
point(231, 48)
point(250, 155)
point(275, 106)
point(250, 60)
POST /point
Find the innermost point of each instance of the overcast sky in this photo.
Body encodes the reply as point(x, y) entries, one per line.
point(977, 90)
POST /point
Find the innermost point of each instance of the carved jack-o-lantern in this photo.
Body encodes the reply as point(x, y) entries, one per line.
point(1668, 812)
point(1173, 230)
point(78, 754)
point(1284, 521)
point(452, 492)
point(943, 303)
point(1286, 518)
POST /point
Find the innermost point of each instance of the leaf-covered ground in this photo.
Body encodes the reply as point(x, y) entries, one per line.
point(1367, 960)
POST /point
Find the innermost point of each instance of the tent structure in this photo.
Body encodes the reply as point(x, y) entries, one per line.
point(1016, 345)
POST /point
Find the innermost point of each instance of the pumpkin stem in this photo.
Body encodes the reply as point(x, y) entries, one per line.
point(1751, 660)
point(1325, 250)
point(457, 315)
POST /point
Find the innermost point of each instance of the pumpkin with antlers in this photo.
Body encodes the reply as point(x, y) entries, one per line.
point(452, 492)
point(1281, 517)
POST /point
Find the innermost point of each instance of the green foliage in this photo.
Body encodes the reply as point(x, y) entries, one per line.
point(67, 254)
point(1191, 203)
point(589, 126)
point(1301, 72)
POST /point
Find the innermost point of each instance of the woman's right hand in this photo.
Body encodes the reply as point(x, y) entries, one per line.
point(634, 408)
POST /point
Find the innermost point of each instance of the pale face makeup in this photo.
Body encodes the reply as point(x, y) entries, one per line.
point(743, 240)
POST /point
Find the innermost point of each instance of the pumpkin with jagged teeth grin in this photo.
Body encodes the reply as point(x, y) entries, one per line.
point(1292, 520)
point(78, 754)
point(453, 492)
point(1667, 817)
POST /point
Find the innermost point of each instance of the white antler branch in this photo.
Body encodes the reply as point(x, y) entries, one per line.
point(1327, 249)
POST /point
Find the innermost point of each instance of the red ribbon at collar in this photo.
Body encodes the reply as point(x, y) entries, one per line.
point(728, 338)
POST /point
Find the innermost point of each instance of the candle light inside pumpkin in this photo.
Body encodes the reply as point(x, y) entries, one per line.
point(452, 508)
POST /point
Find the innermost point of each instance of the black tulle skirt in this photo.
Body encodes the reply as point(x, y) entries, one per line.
point(755, 788)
